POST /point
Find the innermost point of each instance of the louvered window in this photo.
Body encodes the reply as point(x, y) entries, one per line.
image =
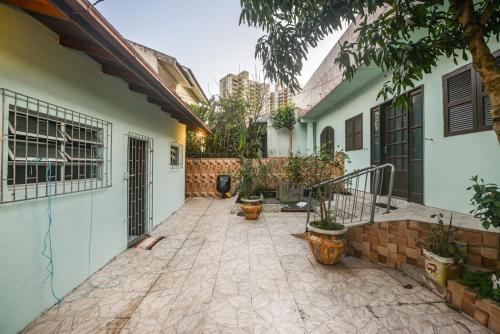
point(467, 105)
point(354, 133)
point(327, 138)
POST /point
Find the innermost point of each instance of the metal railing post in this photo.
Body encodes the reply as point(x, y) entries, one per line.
point(376, 189)
point(389, 193)
point(309, 207)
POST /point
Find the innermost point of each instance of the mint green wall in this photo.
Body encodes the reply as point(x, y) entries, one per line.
point(32, 63)
point(448, 162)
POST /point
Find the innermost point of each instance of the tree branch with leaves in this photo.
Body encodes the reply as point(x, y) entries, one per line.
point(284, 118)
point(406, 38)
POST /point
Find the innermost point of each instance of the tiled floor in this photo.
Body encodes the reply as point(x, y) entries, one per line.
point(217, 273)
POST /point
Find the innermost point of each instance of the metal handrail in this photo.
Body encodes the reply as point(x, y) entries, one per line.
point(349, 197)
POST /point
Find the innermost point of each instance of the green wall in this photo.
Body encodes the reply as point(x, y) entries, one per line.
point(449, 162)
point(33, 63)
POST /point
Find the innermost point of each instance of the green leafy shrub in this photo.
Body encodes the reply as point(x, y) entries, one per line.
point(482, 284)
point(283, 117)
point(293, 169)
point(486, 201)
point(247, 176)
point(440, 240)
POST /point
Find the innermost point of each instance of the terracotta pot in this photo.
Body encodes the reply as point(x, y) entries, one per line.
point(251, 207)
point(327, 246)
point(440, 269)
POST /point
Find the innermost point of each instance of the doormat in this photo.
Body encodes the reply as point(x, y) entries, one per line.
point(149, 242)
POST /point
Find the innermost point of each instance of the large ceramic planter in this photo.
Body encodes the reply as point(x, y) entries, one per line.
point(440, 269)
point(251, 207)
point(327, 246)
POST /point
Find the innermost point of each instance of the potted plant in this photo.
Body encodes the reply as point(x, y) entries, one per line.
point(442, 256)
point(251, 203)
point(292, 189)
point(263, 182)
point(324, 235)
point(486, 202)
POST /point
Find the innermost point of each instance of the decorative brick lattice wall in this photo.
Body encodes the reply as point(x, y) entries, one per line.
point(201, 173)
point(393, 243)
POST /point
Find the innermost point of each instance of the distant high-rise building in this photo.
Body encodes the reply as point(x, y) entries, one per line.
point(280, 97)
point(256, 93)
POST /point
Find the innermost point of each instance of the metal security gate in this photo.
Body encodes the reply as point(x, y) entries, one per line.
point(139, 187)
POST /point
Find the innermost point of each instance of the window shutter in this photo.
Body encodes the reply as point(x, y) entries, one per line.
point(354, 133)
point(349, 142)
point(358, 132)
point(459, 101)
point(484, 102)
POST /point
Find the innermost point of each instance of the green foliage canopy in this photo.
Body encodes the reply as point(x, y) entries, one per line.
point(283, 117)
point(403, 38)
point(236, 128)
point(407, 38)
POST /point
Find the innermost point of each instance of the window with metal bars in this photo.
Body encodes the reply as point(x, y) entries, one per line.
point(50, 150)
point(176, 155)
point(466, 103)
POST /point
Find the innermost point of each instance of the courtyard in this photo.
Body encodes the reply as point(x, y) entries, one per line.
point(215, 272)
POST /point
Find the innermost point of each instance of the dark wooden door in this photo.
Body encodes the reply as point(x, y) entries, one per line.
point(396, 147)
point(137, 173)
point(416, 147)
point(397, 138)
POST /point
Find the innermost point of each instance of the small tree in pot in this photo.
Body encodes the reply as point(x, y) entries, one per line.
point(325, 235)
point(292, 189)
point(251, 203)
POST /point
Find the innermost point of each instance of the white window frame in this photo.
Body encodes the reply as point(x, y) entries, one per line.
point(42, 116)
point(180, 153)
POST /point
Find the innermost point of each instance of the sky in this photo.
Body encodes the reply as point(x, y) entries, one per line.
point(202, 35)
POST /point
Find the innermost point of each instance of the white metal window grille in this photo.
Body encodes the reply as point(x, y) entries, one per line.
point(50, 150)
point(176, 155)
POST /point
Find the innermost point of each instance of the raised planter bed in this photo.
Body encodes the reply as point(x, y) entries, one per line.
point(485, 311)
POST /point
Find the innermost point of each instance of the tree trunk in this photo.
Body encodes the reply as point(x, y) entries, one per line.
point(289, 142)
point(484, 62)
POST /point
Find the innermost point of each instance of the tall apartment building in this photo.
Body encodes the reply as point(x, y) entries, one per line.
point(280, 97)
point(255, 92)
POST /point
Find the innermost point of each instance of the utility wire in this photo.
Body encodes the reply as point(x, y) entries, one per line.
point(47, 240)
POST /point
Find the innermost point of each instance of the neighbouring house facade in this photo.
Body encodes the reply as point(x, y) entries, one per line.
point(179, 78)
point(275, 142)
point(91, 151)
point(278, 139)
point(437, 144)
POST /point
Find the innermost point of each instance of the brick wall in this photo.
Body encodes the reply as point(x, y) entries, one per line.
point(201, 173)
point(393, 243)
